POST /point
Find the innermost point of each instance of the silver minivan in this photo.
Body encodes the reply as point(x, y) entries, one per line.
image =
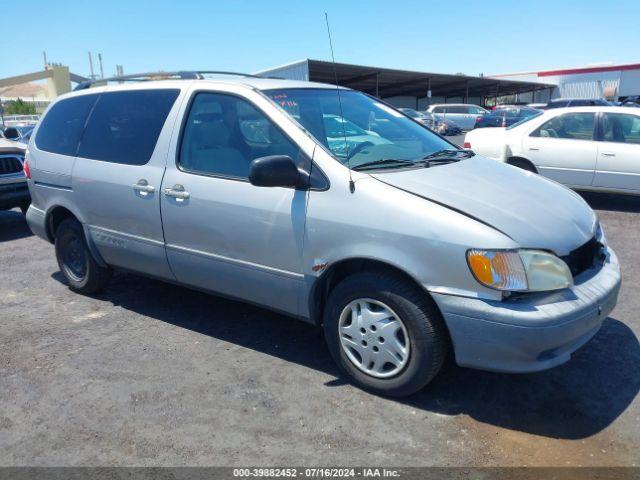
point(462, 114)
point(401, 245)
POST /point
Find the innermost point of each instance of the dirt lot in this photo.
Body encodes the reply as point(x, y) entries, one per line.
point(153, 374)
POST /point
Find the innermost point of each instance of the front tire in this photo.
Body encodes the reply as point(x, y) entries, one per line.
point(385, 333)
point(75, 260)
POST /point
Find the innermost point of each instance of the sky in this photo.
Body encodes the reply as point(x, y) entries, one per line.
point(463, 36)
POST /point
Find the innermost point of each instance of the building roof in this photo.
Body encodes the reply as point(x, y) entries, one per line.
point(389, 82)
point(575, 70)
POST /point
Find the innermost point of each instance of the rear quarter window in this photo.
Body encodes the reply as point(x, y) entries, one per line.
point(124, 126)
point(62, 126)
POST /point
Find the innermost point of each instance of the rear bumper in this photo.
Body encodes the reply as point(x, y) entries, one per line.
point(36, 219)
point(14, 195)
point(531, 332)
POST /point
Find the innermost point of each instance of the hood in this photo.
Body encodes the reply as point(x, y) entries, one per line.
point(532, 210)
point(11, 146)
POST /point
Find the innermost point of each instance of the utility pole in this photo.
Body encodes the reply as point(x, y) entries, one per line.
point(100, 62)
point(91, 76)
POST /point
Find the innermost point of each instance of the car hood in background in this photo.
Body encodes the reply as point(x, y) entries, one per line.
point(533, 211)
point(11, 146)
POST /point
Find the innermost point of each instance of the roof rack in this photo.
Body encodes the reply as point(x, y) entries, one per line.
point(142, 77)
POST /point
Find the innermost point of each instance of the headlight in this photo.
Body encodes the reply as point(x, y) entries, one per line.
point(519, 270)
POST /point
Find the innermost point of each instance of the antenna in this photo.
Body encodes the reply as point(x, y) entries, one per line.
point(352, 185)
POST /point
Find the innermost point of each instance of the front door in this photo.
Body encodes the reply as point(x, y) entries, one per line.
point(619, 153)
point(222, 233)
point(563, 148)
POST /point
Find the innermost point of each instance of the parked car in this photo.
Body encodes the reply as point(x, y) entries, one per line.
point(402, 251)
point(462, 114)
point(424, 118)
point(442, 125)
point(14, 191)
point(632, 101)
point(587, 148)
point(505, 115)
point(446, 127)
point(577, 102)
point(343, 136)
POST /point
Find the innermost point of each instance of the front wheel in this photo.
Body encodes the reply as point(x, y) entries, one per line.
point(82, 272)
point(385, 333)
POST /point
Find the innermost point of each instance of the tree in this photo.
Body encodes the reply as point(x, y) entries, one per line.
point(20, 107)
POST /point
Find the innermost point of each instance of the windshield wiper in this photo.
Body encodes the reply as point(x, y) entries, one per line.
point(446, 156)
point(384, 163)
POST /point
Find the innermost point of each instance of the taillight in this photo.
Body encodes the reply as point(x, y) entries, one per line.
point(26, 168)
point(467, 144)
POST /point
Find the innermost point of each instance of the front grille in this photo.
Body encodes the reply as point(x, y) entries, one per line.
point(10, 164)
point(583, 257)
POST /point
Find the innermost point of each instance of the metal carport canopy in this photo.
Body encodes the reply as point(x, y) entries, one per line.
point(388, 82)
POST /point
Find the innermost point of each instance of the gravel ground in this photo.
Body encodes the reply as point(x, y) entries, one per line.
point(153, 374)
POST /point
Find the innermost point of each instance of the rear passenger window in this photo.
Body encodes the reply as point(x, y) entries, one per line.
point(457, 109)
point(61, 128)
point(223, 134)
point(124, 126)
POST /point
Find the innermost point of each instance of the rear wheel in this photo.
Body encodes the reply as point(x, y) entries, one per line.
point(385, 333)
point(75, 260)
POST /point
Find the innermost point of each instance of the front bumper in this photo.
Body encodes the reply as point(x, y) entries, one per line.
point(531, 332)
point(15, 194)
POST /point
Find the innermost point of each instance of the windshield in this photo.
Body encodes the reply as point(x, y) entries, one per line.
point(363, 131)
point(531, 116)
point(337, 127)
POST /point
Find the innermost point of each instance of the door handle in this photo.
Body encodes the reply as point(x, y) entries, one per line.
point(534, 149)
point(608, 154)
point(143, 187)
point(177, 191)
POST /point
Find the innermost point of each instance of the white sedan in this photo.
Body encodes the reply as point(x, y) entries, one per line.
point(586, 148)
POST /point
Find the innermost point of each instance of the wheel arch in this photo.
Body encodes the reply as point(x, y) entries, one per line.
point(55, 215)
point(341, 269)
point(514, 159)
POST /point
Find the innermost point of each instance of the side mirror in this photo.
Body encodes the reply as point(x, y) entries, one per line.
point(11, 133)
point(275, 171)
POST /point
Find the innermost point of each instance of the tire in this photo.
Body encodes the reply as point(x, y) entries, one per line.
point(427, 336)
point(523, 164)
point(75, 260)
